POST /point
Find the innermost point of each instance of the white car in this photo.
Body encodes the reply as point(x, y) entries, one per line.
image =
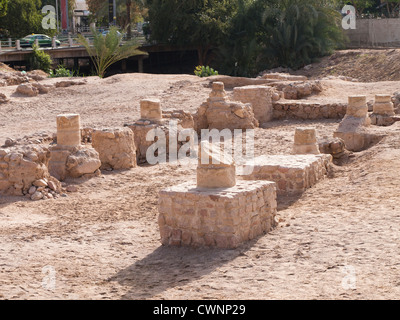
point(104, 33)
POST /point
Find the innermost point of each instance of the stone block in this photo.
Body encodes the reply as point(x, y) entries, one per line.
point(150, 109)
point(223, 226)
point(116, 148)
point(68, 130)
point(305, 141)
point(260, 98)
point(293, 174)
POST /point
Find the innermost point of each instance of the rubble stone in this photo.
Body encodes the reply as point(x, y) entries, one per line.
point(27, 90)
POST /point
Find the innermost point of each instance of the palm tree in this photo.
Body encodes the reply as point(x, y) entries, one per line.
point(108, 49)
point(300, 31)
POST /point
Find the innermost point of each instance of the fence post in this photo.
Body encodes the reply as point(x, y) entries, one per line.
point(9, 42)
point(0, 46)
point(37, 42)
point(70, 41)
point(17, 45)
point(53, 42)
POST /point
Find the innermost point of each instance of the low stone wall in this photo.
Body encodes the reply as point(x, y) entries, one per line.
point(223, 218)
point(293, 174)
point(283, 110)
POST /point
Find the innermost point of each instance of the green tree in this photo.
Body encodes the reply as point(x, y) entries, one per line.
point(40, 60)
point(23, 17)
point(201, 24)
point(108, 49)
point(298, 31)
point(3, 7)
point(360, 5)
point(128, 12)
point(239, 52)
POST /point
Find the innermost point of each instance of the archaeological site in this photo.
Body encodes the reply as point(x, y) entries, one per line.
point(119, 189)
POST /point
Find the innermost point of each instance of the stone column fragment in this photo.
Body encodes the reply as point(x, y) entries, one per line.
point(68, 130)
point(216, 169)
point(383, 110)
point(305, 141)
point(150, 109)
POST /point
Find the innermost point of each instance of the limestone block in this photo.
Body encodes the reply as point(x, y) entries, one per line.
point(222, 218)
point(383, 111)
point(357, 106)
point(305, 141)
point(150, 109)
point(216, 177)
point(116, 148)
point(216, 168)
point(293, 174)
point(68, 130)
point(260, 98)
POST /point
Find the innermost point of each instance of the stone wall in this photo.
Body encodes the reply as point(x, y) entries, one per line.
point(223, 218)
point(293, 174)
point(283, 110)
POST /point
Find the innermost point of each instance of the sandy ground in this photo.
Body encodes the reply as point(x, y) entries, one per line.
point(340, 240)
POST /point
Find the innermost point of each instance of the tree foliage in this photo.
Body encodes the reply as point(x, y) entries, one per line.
point(288, 33)
point(40, 60)
point(201, 24)
point(107, 50)
point(3, 7)
point(23, 17)
point(301, 30)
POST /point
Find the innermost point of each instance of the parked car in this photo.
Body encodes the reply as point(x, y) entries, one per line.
point(104, 33)
point(44, 41)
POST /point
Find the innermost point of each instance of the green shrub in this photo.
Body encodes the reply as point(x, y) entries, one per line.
point(40, 60)
point(202, 71)
point(61, 71)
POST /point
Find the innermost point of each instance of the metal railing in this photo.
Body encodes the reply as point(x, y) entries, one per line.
point(13, 44)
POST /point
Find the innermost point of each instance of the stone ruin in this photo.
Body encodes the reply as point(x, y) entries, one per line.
point(293, 174)
point(24, 171)
point(69, 158)
point(220, 212)
point(355, 129)
point(171, 123)
point(305, 141)
point(218, 112)
point(260, 98)
point(383, 111)
point(116, 148)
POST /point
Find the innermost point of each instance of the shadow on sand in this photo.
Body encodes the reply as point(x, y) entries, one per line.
point(170, 267)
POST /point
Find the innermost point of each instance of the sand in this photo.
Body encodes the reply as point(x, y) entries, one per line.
point(339, 240)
